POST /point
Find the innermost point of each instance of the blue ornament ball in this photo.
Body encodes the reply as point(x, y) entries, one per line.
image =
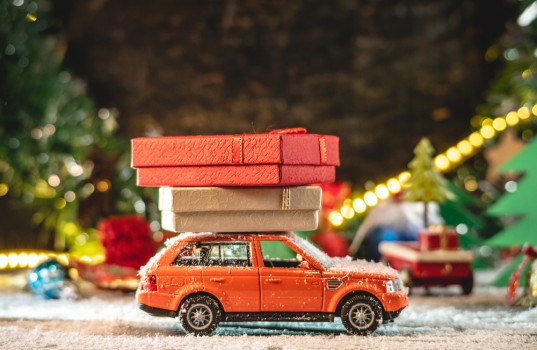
point(49, 280)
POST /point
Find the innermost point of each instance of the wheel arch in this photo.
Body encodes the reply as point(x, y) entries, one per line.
point(193, 294)
point(352, 294)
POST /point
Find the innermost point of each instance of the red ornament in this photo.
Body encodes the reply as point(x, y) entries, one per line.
point(127, 241)
point(331, 243)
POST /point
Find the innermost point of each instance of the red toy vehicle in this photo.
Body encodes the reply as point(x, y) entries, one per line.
point(435, 260)
point(207, 278)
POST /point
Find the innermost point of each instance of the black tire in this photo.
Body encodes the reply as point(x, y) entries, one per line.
point(361, 314)
point(200, 315)
point(468, 285)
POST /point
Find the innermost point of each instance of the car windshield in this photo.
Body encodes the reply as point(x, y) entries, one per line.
point(312, 250)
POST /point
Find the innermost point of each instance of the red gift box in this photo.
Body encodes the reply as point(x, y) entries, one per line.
point(441, 237)
point(280, 158)
point(252, 175)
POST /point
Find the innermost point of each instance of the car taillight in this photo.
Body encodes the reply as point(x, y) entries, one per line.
point(149, 283)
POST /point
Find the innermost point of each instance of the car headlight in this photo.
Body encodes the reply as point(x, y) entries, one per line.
point(393, 286)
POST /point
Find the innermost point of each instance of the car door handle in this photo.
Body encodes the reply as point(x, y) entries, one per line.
point(273, 280)
point(217, 279)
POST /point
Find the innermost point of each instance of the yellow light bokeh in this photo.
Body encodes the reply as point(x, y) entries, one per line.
point(512, 118)
point(499, 124)
point(335, 218)
point(359, 205)
point(394, 185)
point(13, 260)
point(30, 17)
point(23, 260)
point(453, 154)
point(382, 191)
point(442, 162)
point(476, 139)
point(33, 260)
point(465, 147)
point(70, 229)
point(404, 177)
point(486, 121)
point(533, 109)
point(3, 261)
point(347, 212)
point(470, 185)
point(487, 132)
point(370, 199)
point(60, 203)
point(103, 185)
point(62, 258)
point(4, 189)
point(524, 112)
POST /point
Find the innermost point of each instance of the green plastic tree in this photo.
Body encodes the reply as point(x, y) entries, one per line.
point(519, 208)
point(426, 183)
point(520, 205)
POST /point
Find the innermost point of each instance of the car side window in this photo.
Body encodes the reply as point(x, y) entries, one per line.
point(193, 254)
point(214, 254)
point(279, 254)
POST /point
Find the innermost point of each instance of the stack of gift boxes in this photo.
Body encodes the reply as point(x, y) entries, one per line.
point(238, 183)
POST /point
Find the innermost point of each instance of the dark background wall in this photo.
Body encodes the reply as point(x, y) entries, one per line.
point(379, 74)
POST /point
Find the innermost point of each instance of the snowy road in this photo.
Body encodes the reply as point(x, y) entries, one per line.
point(107, 320)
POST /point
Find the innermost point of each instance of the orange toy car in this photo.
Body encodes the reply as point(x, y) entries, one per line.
point(207, 278)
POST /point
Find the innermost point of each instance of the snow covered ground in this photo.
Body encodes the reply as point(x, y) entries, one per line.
point(105, 320)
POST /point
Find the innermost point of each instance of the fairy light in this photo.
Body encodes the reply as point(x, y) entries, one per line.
point(347, 212)
point(394, 186)
point(336, 218)
point(13, 260)
point(512, 118)
point(499, 124)
point(487, 132)
point(23, 260)
point(533, 110)
point(465, 147)
point(488, 128)
point(453, 154)
point(524, 112)
point(370, 199)
point(4, 261)
point(404, 177)
point(441, 162)
point(359, 205)
point(382, 191)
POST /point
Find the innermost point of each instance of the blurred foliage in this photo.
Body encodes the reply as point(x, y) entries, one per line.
point(58, 152)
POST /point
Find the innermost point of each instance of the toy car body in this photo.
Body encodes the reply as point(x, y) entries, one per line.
point(207, 278)
point(429, 268)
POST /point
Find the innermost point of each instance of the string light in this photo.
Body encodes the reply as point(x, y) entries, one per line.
point(443, 162)
point(21, 259)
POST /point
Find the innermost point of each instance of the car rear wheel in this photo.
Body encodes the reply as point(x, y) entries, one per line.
point(200, 315)
point(361, 314)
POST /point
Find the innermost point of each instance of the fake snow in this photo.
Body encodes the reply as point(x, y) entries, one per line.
point(103, 319)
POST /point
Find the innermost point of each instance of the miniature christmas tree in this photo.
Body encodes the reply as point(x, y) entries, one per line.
point(518, 204)
point(426, 183)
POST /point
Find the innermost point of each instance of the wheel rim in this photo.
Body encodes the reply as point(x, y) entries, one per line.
point(199, 316)
point(361, 316)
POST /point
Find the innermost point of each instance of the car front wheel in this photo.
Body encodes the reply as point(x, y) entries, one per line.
point(200, 315)
point(361, 314)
